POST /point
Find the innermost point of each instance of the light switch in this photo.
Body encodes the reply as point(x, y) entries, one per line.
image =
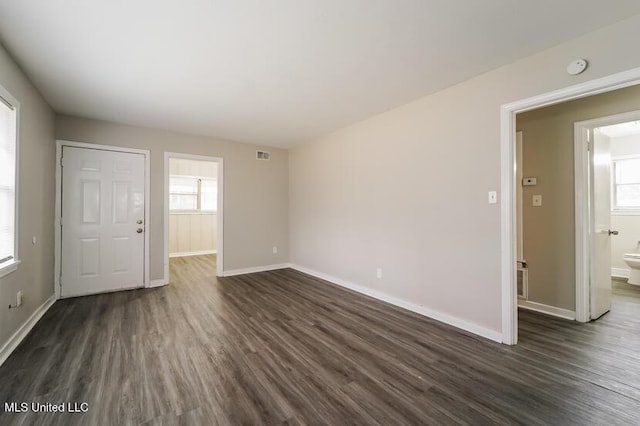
point(493, 197)
point(537, 200)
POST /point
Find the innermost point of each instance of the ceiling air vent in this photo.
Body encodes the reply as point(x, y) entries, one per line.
point(263, 155)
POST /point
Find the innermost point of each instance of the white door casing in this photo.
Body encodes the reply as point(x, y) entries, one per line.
point(102, 217)
point(600, 181)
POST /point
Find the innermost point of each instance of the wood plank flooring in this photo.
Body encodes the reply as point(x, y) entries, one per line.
point(284, 348)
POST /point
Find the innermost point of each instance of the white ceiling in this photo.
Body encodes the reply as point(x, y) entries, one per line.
point(277, 72)
point(630, 128)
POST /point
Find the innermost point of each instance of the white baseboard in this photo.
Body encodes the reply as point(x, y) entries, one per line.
point(158, 283)
point(422, 310)
point(24, 329)
point(619, 273)
point(193, 253)
point(252, 270)
point(547, 309)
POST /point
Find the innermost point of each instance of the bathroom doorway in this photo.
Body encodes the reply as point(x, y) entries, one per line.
point(607, 153)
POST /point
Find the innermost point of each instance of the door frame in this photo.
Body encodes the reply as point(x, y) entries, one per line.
point(584, 206)
point(60, 143)
point(508, 114)
point(219, 212)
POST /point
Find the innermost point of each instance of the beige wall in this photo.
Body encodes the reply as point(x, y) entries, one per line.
point(255, 192)
point(407, 190)
point(36, 201)
point(549, 234)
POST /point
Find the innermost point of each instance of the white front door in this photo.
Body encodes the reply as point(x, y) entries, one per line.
point(601, 209)
point(102, 221)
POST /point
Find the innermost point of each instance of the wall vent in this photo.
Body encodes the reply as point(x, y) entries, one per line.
point(263, 155)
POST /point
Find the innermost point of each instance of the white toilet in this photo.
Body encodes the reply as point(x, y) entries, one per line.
point(633, 260)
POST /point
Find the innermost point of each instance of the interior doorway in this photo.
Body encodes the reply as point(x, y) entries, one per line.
point(193, 209)
point(581, 177)
point(607, 153)
point(508, 193)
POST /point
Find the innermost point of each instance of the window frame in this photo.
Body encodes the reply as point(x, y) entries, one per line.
point(12, 265)
point(615, 209)
point(198, 194)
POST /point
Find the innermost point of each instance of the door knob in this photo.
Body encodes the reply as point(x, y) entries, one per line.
point(613, 232)
point(139, 230)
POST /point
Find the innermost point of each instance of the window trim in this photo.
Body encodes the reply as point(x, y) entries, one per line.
point(12, 265)
point(615, 210)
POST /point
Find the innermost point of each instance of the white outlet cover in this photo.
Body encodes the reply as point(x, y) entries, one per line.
point(493, 197)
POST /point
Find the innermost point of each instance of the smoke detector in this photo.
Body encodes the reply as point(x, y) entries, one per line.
point(577, 66)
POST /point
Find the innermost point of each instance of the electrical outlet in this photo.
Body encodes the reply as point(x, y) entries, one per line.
point(379, 273)
point(275, 249)
point(19, 299)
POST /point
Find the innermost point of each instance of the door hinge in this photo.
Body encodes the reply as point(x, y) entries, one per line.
point(61, 161)
point(588, 145)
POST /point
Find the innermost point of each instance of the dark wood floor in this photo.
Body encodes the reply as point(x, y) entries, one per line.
point(285, 348)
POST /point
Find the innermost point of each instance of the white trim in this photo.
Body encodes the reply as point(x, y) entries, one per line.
point(625, 213)
point(422, 310)
point(12, 343)
point(507, 177)
point(158, 283)
point(620, 273)
point(219, 212)
point(547, 309)
point(582, 222)
point(192, 212)
point(192, 253)
point(255, 269)
point(7, 269)
point(58, 206)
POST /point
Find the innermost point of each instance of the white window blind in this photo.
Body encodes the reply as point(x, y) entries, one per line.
point(626, 188)
point(7, 181)
point(208, 194)
point(183, 193)
point(188, 193)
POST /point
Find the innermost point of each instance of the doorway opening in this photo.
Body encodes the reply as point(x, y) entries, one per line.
point(509, 209)
point(193, 210)
point(607, 154)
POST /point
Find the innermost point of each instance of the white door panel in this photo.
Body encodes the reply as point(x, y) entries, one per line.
point(601, 250)
point(102, 203)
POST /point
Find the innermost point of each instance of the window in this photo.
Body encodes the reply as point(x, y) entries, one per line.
point(626, 184)
point(8, 143)
point(188, 193)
